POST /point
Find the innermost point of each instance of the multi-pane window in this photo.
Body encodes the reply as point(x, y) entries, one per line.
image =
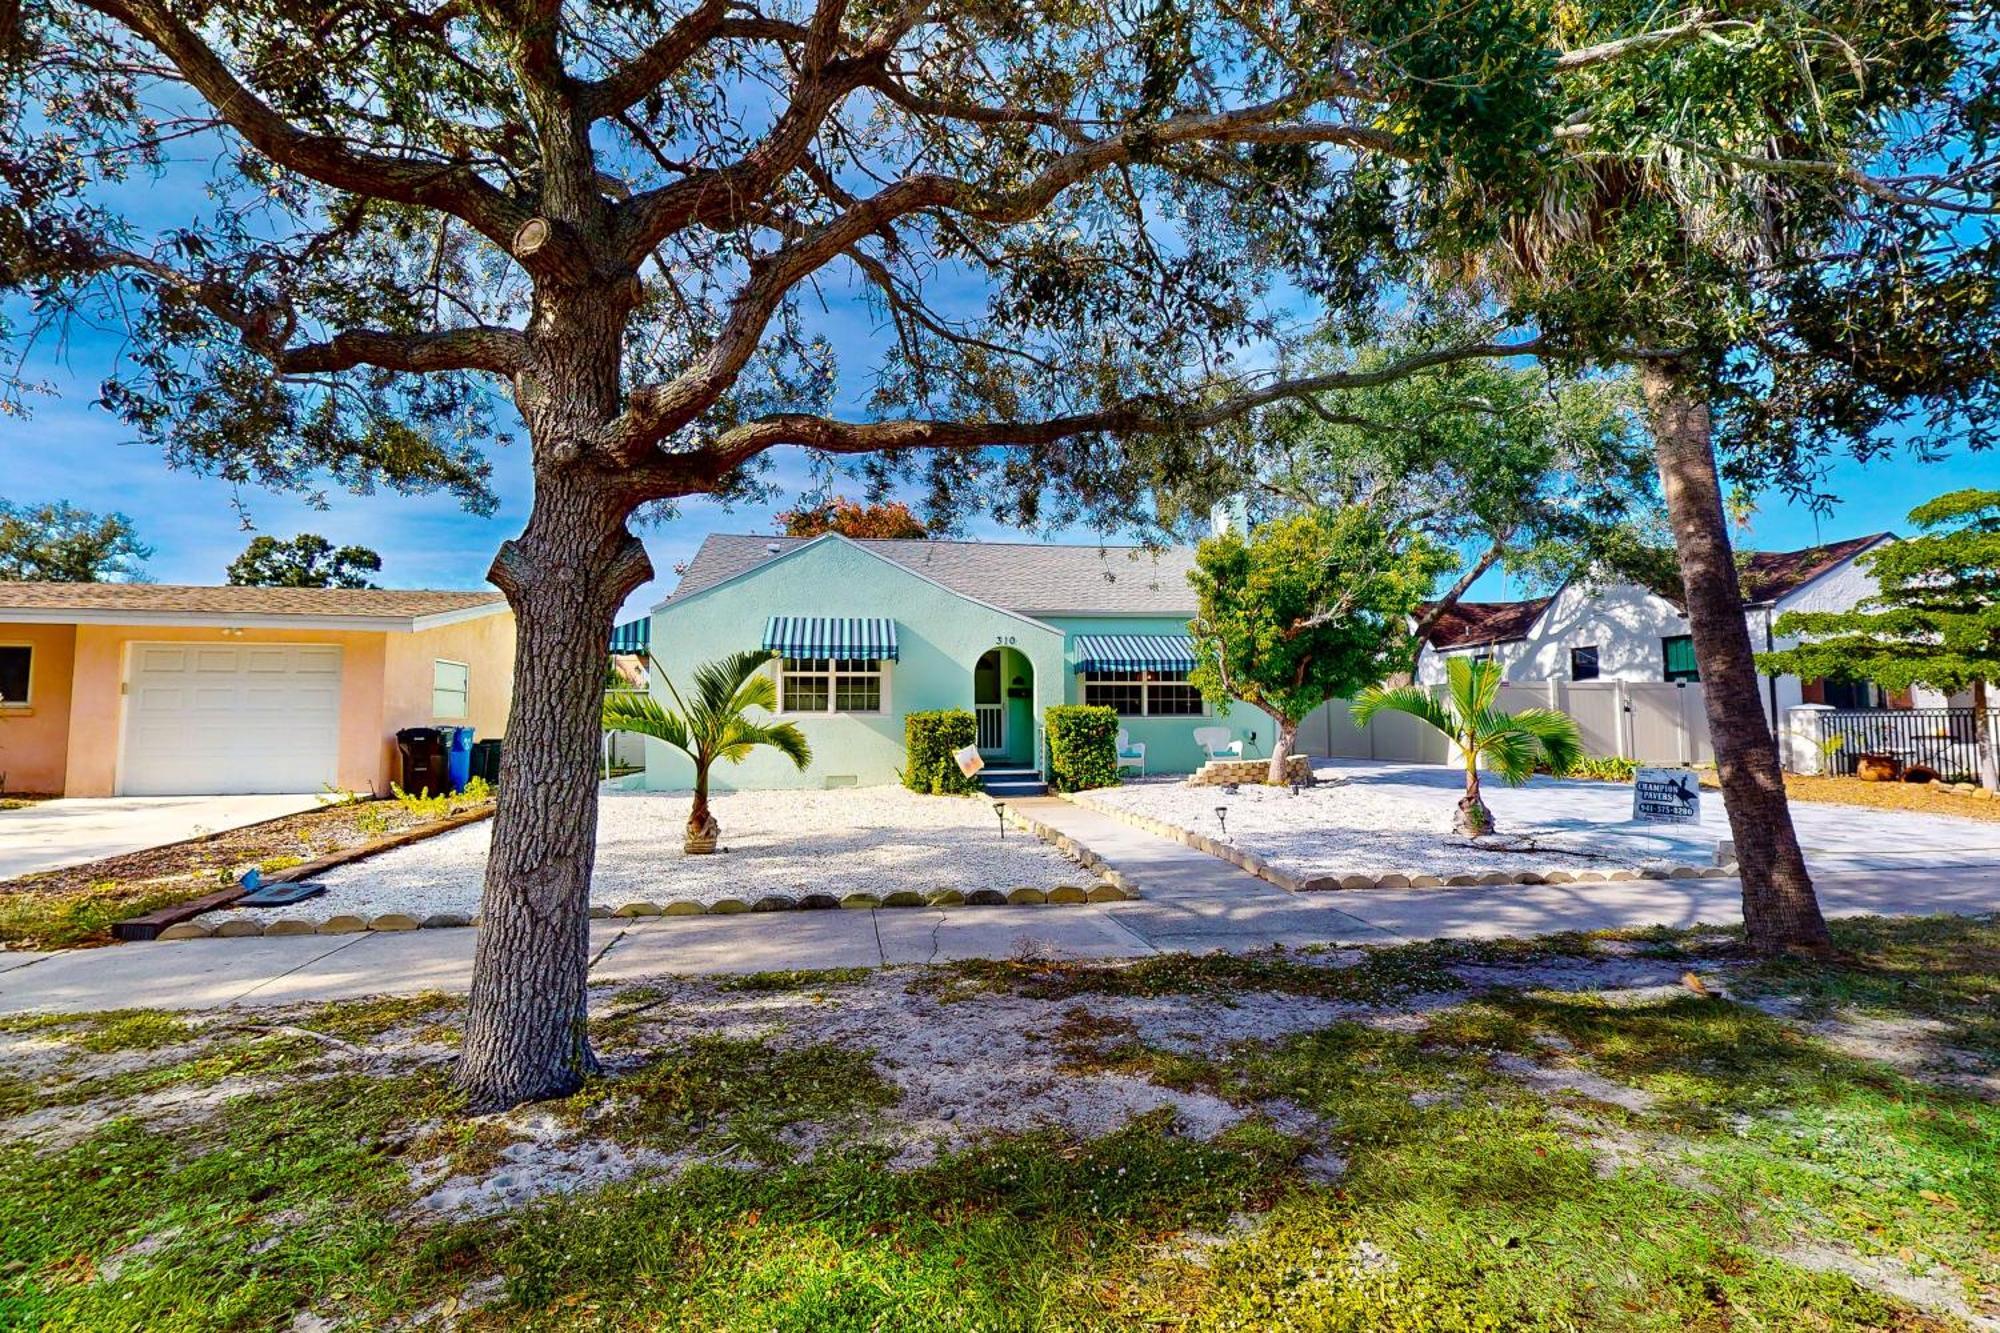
point(17, 662)
point(1583, 663)
point(451, 689)
point(822, 685)
point(1143, 693)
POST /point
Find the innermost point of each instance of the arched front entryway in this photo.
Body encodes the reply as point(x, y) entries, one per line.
point(1003, 699)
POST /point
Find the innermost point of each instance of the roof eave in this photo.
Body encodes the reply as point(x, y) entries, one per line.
point(43, 615)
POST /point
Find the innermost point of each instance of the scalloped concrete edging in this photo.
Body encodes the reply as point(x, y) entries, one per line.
point(1251, 863)
point(346, 924)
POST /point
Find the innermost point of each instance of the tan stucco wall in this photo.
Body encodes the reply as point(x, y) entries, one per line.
point(100, 670)
point(486, 645)
point(385, 684)
point(34, 741)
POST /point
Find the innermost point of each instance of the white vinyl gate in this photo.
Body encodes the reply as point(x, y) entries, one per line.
point(1654, 722)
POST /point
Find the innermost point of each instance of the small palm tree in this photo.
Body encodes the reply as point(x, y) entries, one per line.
point(714, 726)
point(1510, 742)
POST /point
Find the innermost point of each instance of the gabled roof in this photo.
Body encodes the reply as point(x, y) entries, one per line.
point(1475, 624)
point(1029, 578)
point(1771, 576)
point(168, 604)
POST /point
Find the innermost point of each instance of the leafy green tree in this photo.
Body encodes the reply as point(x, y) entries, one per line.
point(59, 543)
point(715, 725)
point(1544, 473)
point(305, 561)
point(1304, 609)
point(1511, 743)
point(1781, 218)
point(1934, 619)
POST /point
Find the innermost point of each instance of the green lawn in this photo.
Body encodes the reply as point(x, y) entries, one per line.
point(1552, 1136)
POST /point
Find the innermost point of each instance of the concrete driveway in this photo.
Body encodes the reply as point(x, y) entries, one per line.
point(68, 832)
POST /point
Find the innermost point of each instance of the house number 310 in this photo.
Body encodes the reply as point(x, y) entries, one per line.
point(1004, 639)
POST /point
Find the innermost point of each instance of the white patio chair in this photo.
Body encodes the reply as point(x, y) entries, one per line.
point(1215, 742)
point(1131, 753)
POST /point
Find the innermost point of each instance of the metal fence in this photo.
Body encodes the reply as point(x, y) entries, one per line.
point(1941, 740)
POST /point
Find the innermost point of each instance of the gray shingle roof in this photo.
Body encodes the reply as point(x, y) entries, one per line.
point(205, 599)
point(1020, 576)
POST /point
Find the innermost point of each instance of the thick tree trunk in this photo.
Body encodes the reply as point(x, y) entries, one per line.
point(1780, 912)
point(565, 577)
point(1279, 774)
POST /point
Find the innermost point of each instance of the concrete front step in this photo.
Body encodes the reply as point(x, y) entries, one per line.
point(1012, 782)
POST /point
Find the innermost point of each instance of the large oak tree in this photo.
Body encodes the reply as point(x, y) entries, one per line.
point(621, 216)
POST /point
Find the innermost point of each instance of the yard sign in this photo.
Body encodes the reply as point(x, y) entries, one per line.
point(1666, 796)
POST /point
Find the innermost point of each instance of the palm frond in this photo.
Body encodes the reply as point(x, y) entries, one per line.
point(1414, 700)
point(1472, 686)
point(745, 735)
point(1510, 753)
point(1561, 742)
point(716, 683)
point(642, 715)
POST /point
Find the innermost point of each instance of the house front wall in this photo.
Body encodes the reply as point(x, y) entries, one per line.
point(485, 645)
point(1169, 741)
point(34, 736)
point(97, 698)
point(940, 637)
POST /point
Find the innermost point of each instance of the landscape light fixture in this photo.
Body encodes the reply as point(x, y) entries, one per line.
point(1295, 786)
point(1222, 818)
point(1000, 813)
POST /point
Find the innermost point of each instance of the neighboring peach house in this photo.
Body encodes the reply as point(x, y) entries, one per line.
point(134, 689)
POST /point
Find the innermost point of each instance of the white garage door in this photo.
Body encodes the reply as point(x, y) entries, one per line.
point(204, 718)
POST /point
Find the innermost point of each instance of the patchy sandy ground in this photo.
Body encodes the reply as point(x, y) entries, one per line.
point(858, 840)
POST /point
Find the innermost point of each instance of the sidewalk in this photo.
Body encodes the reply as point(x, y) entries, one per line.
point(1192, 902)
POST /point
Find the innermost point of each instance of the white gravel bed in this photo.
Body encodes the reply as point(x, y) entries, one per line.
point(858, 840)
point(1363, 825)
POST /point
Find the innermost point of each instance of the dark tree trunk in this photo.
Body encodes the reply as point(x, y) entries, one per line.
point(1780, 912)
point(1279, 773)
point(565, 577)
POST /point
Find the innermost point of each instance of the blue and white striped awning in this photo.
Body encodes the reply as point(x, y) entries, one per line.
point(841, 638)
point(634, 636)
point(1134, 652)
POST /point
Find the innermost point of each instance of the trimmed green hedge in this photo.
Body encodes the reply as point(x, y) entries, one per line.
point(1083, 747)
point(928, 742)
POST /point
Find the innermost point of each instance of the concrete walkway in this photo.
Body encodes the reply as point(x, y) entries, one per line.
point(51, 834)
point(1192, 902)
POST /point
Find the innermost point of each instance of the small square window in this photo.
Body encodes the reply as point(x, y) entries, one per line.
point(16, 667)
point(1583, 663)
point(451, 689)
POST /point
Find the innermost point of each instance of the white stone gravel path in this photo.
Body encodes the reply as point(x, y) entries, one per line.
point(858, 840)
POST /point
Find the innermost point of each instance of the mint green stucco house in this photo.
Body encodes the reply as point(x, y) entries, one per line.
point(871, 631)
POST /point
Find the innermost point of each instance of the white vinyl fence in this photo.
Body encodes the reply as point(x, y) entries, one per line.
point(1653, 722)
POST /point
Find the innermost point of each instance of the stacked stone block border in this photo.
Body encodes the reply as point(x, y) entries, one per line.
point(1109, 887)
point(1251, 863)
point(1249, 772)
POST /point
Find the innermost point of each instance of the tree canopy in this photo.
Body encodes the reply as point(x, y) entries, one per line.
point(852, 518)
point(1303, 609)
point(305, 561)
point(59, 543)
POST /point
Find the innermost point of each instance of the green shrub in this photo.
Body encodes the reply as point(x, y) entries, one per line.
point(1083, 747)
point(928, 742)
point(1604, 768)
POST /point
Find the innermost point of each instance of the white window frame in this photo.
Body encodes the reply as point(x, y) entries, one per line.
point(1145, 684)
point(860, 668)
point(26, 704)
point(438, 713)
